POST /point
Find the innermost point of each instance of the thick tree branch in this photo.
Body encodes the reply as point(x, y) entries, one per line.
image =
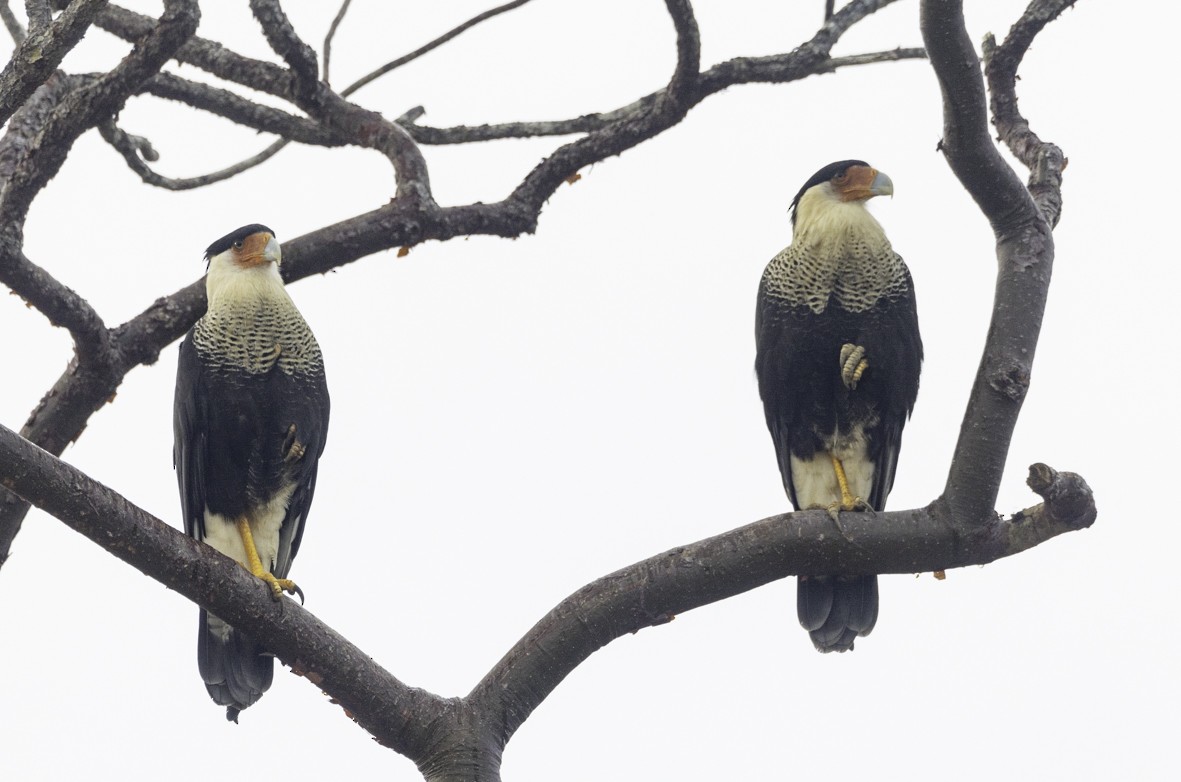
point(1025, 254)
point(464, 739)
point(966, 143)
point(654, 591)
point(41, 51)
point(62, 414)
point(396, 714)
point(90, 105)
point(202, 53)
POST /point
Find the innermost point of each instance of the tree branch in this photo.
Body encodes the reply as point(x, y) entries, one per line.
point(439, 734)
point(61, 415)
point(1045, 161)
point(137, 151)
point(424, 49)
point(1025, 254)
point(202, 53)
point(89, 105)
point(774, 69)
point(363, 127)
point(332, 28)
point(396, 714)
point(15, 29)
point(41, 51)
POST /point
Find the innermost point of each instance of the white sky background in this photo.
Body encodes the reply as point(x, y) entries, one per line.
point(512, 419)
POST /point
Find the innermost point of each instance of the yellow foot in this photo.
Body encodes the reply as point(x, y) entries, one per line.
point(254, 565)
point(853, 364)
point(280, 585)
point(857, 504)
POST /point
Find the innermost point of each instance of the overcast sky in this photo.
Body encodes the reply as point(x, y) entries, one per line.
point(513, 419)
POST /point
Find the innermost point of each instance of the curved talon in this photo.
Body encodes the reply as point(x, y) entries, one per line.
point(853, 364)
point(280, 585)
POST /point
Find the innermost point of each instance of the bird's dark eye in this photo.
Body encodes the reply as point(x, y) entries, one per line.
point(841, 178)
point(238, 244)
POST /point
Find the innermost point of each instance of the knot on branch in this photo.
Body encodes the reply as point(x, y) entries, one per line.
point(1068, 499)
point(1011, 382)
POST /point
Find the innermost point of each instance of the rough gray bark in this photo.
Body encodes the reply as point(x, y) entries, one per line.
point(463, 738)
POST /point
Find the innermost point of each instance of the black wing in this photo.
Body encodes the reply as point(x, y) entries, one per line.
point(308, 409)
point(189, 427)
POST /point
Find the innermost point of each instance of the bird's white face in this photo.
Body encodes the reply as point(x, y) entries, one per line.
point(834, 209)
point(249, 266)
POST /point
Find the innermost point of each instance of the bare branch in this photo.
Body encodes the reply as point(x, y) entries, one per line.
point(39, 54)
point(1025, 254)
point(91, 104)
point(775, 69)
point(332, 28)
point(420, 51)
point(39, 15)
point(1045, 161)
point(58, 303)
point(654, 591)
point(237, 109)
point(202, 53)
point(361, 126)
point(14, 26)
point(966, 142)
point(137, 149)
point(398, 715)
point(62, 414)
point(647, 593)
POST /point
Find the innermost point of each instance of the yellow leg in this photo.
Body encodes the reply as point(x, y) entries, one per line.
point(278, 585)
point(848, 500)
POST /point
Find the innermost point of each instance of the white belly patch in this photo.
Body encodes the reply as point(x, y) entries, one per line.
point(815, 480)
point(265, 521)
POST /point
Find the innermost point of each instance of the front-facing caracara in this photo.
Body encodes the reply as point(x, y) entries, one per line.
point(250, 421)
point(838, 358)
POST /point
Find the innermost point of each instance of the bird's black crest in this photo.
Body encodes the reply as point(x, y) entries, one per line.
point(823, 175)
point(224, 243)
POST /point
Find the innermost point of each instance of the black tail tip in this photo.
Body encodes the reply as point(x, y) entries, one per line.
point(232, 714)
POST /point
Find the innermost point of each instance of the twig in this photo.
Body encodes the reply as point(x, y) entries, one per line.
point(332, 28)
point(432, 45)
point(774, 69)
point(15, 28)
point(136, 149)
